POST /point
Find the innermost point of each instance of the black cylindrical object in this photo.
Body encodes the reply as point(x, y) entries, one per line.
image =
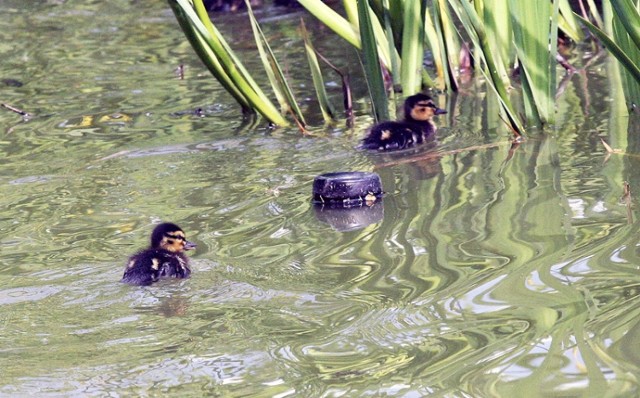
point(347, 189)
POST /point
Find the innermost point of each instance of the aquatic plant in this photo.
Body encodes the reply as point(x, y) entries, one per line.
point(504, 34)
point(623, 42)
point(503, 38)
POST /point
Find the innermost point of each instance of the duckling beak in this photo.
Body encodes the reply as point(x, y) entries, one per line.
point(440, 111)
point(189, 245)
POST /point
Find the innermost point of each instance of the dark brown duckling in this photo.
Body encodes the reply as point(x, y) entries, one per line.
point(416, 128)
point(163, 259)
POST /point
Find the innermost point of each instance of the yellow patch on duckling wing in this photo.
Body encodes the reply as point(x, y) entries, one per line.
point(386, 134)
point(131, 264)
point(155, 264)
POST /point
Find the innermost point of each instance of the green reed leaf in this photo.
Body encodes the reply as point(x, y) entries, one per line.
point(333, 20)
point(629, 17)
point(497, 19)
point(622, 34)
point(390, 33)
point(432, 39)
point(230, 64)
point(208, 57)
point(534, 36)
point(274, 72)
point(318, 82)
point(593, 10)
point(477, 33)
point(372, 63)
point(449, 47)
point(616, 50)
point(568, 22)
point(412, 47)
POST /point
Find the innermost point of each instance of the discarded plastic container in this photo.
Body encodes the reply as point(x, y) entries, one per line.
point(348, 200)
point(347, 189)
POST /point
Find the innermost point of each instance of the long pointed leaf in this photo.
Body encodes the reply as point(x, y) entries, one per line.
point(533, 29)
point(433, 40)
point(208, 57)
point(619, 33)
point(333, 20)
point(233, 68)
point(267, 59)
point(447, 44)
point(390, 33)
point(593, 10)
point(384, 48)
point(629, 16)
point(497, 19)
point(617, 52)
point(412, 50)
point(475, 29)
point(568, 22)
point(372, 63)
point(274, 72)
point(318, 82)
point(349, 30)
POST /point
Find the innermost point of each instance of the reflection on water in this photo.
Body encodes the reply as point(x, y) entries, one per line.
point(350, 218)
point(483, 272)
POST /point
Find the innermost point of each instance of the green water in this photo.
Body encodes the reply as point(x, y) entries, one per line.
point(492, 273)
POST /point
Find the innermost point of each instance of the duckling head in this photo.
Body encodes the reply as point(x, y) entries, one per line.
point(420, 108)
point(170, 237)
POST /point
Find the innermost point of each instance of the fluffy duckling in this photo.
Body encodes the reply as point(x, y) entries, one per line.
point(165, 257)
point(416, 128)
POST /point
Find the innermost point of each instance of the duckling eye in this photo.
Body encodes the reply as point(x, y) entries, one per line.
point(424, 105)
point(177, 237)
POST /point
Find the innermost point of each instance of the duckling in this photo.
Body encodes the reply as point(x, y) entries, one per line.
point(416, 128)
point(165, 257)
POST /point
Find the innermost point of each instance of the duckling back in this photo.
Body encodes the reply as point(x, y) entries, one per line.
point(151, 265)
point(164, 258)
point(388, 136)
point(416, 128)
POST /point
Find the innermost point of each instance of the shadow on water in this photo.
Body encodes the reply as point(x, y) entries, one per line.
point(483, 272)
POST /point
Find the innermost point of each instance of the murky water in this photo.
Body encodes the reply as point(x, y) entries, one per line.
point(487, 272)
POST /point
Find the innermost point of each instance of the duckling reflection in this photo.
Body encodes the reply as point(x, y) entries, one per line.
point(416, 128)
point(163, 259)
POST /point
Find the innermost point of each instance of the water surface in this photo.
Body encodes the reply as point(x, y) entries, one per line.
point(493, 271)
